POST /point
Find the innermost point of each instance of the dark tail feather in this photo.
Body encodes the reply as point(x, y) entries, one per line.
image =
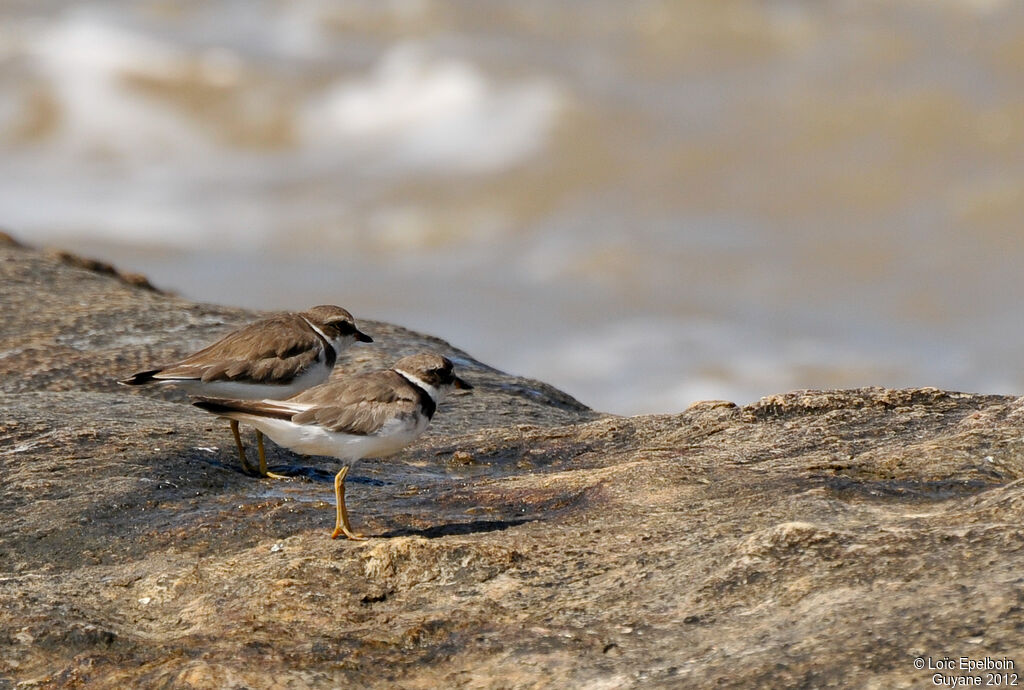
point(224, 406)
point(141, 378)
point(211, 405)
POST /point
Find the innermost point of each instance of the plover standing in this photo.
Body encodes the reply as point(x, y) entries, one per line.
point(273, 358)
point(359, 416)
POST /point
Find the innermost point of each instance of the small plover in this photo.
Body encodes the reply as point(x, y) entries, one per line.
point(273, 358)
point(359, 416)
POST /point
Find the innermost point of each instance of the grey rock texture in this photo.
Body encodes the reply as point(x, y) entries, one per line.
point(813, 539)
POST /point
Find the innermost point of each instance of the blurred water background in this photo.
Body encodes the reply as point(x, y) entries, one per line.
point(644, 203)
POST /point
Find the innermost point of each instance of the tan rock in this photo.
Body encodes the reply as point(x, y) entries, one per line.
point(812, 539)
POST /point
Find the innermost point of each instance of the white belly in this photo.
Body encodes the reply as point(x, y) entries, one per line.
point(310, 439)
point(240, 390)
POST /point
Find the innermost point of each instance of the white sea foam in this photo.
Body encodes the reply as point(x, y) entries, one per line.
point(87, 63)
point(791, 234)
point(414, 111)
point(130, 164)
point(655, 364)
point(637, 365)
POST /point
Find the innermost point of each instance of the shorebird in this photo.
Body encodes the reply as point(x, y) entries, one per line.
point(273, 358)
point(359, 416)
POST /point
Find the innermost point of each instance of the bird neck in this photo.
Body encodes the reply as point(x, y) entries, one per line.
point(331, 347)
point(430, 396)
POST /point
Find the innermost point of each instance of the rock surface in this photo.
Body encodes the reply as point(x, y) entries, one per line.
point(813, 539)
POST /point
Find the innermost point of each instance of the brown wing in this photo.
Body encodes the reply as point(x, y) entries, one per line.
point(273, 350)
point(359, 404)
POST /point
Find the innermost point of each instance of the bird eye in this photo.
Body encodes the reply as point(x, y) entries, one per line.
point(344, 327)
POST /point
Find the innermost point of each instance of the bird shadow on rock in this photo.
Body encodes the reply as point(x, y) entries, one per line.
point(318, 475)
point(934, 490)
point(291, 466)
point(457, 528)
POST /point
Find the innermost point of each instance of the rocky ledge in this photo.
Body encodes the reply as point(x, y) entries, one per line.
point(816, 538)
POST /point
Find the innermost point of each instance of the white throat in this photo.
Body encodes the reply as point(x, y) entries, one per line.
point(436, 394)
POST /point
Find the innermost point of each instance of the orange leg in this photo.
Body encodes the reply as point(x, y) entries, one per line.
point(341, 523)
point(241, 449)
point(263, 459)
